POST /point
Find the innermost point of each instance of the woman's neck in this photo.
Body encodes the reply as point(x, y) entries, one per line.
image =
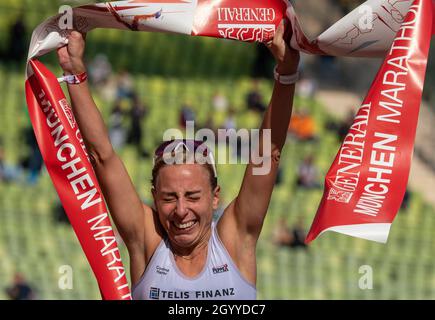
point(191, 261)
point(190, 253)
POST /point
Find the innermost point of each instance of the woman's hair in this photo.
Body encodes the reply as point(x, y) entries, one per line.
point(181, 156)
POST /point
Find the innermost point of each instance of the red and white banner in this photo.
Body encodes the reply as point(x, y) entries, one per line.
point(67, 163)
point(379, 145)
point(365, 185)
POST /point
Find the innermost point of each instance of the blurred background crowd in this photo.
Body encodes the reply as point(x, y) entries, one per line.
point(147, 83)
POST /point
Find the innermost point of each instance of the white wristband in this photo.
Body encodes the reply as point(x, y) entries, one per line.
point(73, 78)
point(287, 79)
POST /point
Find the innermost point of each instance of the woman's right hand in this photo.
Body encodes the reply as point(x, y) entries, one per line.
point(287, 58)
point(71, 56)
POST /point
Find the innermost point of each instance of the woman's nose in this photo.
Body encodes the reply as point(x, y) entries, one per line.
point(181, 209)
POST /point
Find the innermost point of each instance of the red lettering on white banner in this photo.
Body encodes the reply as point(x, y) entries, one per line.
point(366, 183)
point(75, 182)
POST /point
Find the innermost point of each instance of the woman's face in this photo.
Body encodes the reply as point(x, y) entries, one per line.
point(185, 202)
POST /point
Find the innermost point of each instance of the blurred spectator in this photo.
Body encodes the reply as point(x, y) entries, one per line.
point(263, 63)
point(17, 48)
point(138, 112)
point(279, 176)
point(20, 289)
point(230, 123)
point(2, 166)
point(282, 234)
point(209, 123)
point(307, 87)
point(33, 162)
point(290, 237)
point(124, 88)
point(59, 213)
point(345, 125)
point(8, 173)
point(307, 176)
point(406, 199)
point(303, 126)
point(341, 128)
point(186, 114)
point(254, 100)
point(328, 70)
point(100, 70)
point(117, 132)
point(220, 102)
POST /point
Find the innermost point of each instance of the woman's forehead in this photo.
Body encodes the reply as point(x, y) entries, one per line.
point(183, 175)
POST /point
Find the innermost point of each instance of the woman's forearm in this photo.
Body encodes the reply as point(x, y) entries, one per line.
point(88, 117)
point(277, 117)
point(90, 121)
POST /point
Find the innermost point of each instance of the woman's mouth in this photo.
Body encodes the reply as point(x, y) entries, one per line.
point(184, 226)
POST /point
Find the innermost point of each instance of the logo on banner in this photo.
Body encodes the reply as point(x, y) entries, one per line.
point(246, 24)
point(68, 112)
point(340, 196)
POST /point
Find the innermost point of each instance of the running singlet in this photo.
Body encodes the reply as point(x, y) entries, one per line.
point(220, 278)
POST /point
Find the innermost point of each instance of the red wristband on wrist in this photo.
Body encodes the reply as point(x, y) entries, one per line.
point(74, 78)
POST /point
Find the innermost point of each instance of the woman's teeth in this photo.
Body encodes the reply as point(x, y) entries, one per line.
point(184, 225)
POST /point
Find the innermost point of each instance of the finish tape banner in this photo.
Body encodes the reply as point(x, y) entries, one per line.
point(70, 170)
point(404, 24)
point(366, 184)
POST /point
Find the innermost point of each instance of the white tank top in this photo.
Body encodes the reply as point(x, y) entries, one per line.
point(220, 278)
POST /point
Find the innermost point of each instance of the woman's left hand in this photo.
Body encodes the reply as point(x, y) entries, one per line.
point(287, 58)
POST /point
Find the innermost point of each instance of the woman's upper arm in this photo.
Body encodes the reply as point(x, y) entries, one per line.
point(122, 199)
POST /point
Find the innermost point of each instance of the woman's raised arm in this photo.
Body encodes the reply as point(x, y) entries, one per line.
point(126, 208)
point(246, 214)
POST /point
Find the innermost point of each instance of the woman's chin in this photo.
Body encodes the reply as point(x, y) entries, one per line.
point(184, 240)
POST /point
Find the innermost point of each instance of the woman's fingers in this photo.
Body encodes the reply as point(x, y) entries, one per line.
point(62, 54)
point(76, 45)
point(278, 35)
point(75, 35)
point(76, 39)
point(287, 58)
point(71, 55)
point(279, 32)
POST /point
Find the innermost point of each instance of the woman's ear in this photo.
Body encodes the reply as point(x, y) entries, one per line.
point(216, 193)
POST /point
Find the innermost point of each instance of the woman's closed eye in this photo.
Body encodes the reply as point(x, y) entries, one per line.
point(195, 198)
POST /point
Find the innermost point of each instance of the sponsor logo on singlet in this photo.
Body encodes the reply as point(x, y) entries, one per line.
point(220, 269)
point(154, 293)
point(157, 293)
point(162, 271)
